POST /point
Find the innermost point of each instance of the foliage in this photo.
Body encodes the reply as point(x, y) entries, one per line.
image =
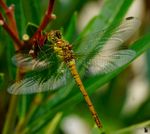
point(37, 113)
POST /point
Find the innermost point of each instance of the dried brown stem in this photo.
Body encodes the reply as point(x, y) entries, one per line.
point(11, 27)
point(48, 16)
point(12, 21)
point(46, 19)
point(11, 32)
point(3, 5)
point(10, 15)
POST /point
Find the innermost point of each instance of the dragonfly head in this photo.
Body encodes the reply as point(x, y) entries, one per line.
point(54, 36)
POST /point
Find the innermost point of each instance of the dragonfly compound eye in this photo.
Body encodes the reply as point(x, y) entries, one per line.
point(54, 36)
point(58, 34)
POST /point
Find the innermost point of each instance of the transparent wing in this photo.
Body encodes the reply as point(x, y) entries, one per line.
point(111, 55)
point(108, 59)
point(27, 62)
point(122, 33)
point(30, 85)
point(117, 36)
point(45, 72)
point(107, 62)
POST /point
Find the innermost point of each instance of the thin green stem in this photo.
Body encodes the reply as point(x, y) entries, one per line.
point(22, 123)
point(50, 128)
point(11, 116)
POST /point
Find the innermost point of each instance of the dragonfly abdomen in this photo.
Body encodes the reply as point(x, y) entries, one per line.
point(78, 81)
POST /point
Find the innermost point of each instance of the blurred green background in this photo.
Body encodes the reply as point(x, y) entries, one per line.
point(121, 98)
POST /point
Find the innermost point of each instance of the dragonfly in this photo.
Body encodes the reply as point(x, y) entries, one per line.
point(46, 65)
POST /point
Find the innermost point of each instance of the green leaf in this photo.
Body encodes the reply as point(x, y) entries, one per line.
point(50, 128)
point(64, 11)
point(133, 127)
point(148, 64)
point(31, 28)
point(1, 79)
point(22, 106)
point(32, 10)
point(71, 28)
point(108, 16)
point(96, 130)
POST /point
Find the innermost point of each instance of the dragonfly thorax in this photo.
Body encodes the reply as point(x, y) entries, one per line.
point(64, 51)
point(61, 47)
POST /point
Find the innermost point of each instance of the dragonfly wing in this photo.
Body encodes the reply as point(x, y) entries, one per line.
point(21, 60)
point(29, 63)
point(46, 74)
point(30, 85)
point(117, 36)
point(42, 73)
point(110, 55)
point(127, 28)
point(107, 62)
point(121, 34)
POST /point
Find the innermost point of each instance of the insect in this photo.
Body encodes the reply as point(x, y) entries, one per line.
point(46, 63)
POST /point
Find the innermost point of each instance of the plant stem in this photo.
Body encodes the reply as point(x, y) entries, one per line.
point(3, 5)
point(50, 128)
point(48, 16)
point(11, 32)
point(11, 27)
point(133, 127)
point(11, 115)
point(12, 21)
point(35, 104)
point(10, 15)
point(46, 19)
